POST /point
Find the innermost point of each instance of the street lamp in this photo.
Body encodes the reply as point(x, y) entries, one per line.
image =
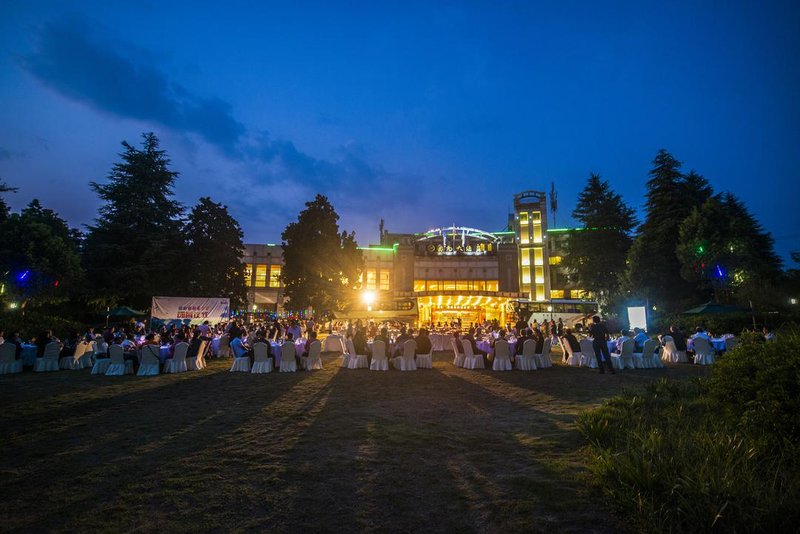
point(369, 299)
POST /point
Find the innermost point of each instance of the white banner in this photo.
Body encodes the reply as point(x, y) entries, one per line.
point(190, 310)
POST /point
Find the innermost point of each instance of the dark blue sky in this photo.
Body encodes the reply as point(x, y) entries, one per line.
point(422, 113)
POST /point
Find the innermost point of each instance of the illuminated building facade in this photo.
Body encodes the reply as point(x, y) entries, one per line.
point(448, 273)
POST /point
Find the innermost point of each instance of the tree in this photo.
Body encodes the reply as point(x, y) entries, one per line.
point(214, 253)
point(595, 254)
point(653, 267)
point(5, 188)
point(132, 252)
point(39, 253)
point(321, 265)
point(725, 251)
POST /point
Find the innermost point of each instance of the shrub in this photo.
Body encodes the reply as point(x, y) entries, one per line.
point(670, 461)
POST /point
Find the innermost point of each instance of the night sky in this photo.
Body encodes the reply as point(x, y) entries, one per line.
point(423, 113)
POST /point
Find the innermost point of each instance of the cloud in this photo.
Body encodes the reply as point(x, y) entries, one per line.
point(73, 59)
point(76, 62)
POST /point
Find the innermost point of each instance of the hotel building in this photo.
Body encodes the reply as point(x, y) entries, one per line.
point(448, 273)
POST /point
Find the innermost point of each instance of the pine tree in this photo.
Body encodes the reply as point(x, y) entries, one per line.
point(595, 254)
point(4, 211)
point(132, 252)
point(653, 268)
point(321, 265)
point(214, 252)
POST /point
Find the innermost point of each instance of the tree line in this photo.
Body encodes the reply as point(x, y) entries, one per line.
point(143, 243)
point(694, 245)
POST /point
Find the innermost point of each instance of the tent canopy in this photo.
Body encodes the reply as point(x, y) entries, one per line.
point(124, 311)
point(713, 307)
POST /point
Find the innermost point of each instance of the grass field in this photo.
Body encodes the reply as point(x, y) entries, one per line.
point(338, 450)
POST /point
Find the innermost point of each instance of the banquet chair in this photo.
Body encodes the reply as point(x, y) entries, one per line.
point(345, 357)
point(650, 355)
point(87, 360)
point(405, 362)
point(588, 359)
point(8, 359)
point(379, 361)
point(703, 351)
point(471, 360)
point(100, 350)
point(178, 362)
point(543, 360)
point(149, 361)
point(195, 363)
point(49, 360)
point(288, 361)
point(573, 359)
point(241, 364)
point(117, 365)
point(356, 361)
point(730, 343)
point(425, 361)
point(624, 360)
point(526, 360)
point(224, 350)
point(458, 357)
point(262, 363)
point(73, 362)
point(314, 359)
point(101, 364)
point(671, 354)
point(502, 356)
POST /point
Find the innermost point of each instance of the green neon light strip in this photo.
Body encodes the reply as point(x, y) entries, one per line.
point(380, 249)
point(503, 233)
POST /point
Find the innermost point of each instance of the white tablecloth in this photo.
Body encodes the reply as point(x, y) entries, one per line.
point(717, 344)
point(299, 346)
point(334, 343)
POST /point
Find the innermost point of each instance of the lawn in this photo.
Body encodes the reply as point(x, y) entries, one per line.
point(338, 450)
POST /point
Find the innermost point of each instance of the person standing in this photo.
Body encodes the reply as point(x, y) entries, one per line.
point(599, 334)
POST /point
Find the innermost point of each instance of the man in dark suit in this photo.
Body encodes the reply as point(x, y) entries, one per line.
point(423, 342)
point(599, 334)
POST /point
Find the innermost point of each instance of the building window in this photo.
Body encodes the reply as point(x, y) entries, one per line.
point(248, 274)
point(578, 293)
point(419, 285)
point(449, 285)
point(462, 285)
point(433, 285)
point(372, 279)
point(491, 285)
point(526, 275)
point(261, 275)
point(383, 281)
point(555, 260)
point(275, 276)
point(538, 256)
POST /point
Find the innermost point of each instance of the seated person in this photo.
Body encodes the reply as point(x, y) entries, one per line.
point(423, 342)
point(360, 340)
point(312, 336)
point(470, 338)
point(639, 339)
point(383, 336)
point(194, 344)
point(457, 340)
point(701, 332)
point(570, 339)
point(238, 347)
point(769, 335)
point(622, 339)
point(402, 338)
point(677, 337)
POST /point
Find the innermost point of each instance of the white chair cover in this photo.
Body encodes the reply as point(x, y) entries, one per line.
point(624, 360)
point(100, 366)
point(314, 359)
point(502, 356)
point(573, 358)
point(406, 362)
point(379, 361)
point(471, 360)
point(86, 361)
point(117, 365)
point(240, 365)
point(650, 355)
point(356, 361)
point(543, 360)
point(149, 361)
point(49, 360)
point(73, 362)
point(178, 362)
point(8, 359)
point(703, 351)
point(526, 360)
point(588, 359)
point(425, 361)
point(262, 363)
point(458, 357)
point(288, 361)
point(198, 362)
point(224, 350)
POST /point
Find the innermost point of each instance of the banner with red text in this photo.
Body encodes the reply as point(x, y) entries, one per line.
point(190, 310)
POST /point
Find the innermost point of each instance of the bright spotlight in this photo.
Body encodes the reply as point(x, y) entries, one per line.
point(368, 297)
